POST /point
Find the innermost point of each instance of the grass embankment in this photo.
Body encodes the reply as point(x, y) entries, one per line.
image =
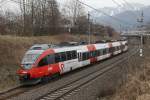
point(13, 48)
point(138, 82)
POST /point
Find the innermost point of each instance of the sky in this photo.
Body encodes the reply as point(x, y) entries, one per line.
point(109, 3)
point(94, 3)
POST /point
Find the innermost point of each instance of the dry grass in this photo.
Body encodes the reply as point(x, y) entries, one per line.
point(13, 48)
point(138, 83)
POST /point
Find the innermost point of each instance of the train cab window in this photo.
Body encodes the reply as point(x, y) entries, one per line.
point(43, 62)
point(57, 57)
point(51, 59)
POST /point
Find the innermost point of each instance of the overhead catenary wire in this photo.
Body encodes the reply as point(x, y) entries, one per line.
point(116, 3)
point(132, 7)
point(100, 11)
point(133, 13)
point(115, 18)
point(104, 21)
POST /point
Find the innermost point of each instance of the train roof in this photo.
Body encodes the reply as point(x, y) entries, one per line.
point(42, 46)
point(67, 45)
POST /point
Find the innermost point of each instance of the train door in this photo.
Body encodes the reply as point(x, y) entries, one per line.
point(79, 58)
point(110, 49)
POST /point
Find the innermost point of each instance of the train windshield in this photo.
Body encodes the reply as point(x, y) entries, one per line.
point(28, 60)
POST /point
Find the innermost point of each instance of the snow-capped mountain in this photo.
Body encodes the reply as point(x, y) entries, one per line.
point(117, 10)
point(125, 13)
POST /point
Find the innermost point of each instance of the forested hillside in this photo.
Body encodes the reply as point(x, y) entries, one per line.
point(48, 17)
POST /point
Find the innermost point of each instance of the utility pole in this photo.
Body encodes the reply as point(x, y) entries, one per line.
point(89, 28)
point(120, 29)
point(141, 20)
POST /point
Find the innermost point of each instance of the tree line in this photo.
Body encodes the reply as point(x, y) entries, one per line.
point(48, 17)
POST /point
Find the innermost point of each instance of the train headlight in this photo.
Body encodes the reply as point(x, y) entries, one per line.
point(50, 68)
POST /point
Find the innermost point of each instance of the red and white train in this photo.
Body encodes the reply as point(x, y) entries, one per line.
point(44, 60)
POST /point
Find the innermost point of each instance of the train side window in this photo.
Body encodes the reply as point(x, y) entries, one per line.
point(119, 47)
point(68, 55)
point(123, 47)
point(104, 51)
point(63, 56)
point(78, 55)
point(101, 52)
point(97, 53)
point(91, 54)
point(51, 59)
point(107, 50)
point(111, 50)
point(115, 48)
point(88, 55)
point(43, 62)
point(74, 55)
point(94, 54)
point(83, 56)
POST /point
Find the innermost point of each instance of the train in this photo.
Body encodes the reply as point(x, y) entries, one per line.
point(46, 60)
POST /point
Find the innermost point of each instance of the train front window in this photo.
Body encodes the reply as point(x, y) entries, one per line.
point(43, 62)
point(28, 60)
point(27, 66)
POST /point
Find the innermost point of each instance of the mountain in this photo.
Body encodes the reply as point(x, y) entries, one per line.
point(126, 14)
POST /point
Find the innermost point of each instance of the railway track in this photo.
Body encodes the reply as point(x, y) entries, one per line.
point(42, 92)
point(20, 89)
point(75, 86)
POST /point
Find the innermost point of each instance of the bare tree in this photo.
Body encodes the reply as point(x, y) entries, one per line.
point(74, 11)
